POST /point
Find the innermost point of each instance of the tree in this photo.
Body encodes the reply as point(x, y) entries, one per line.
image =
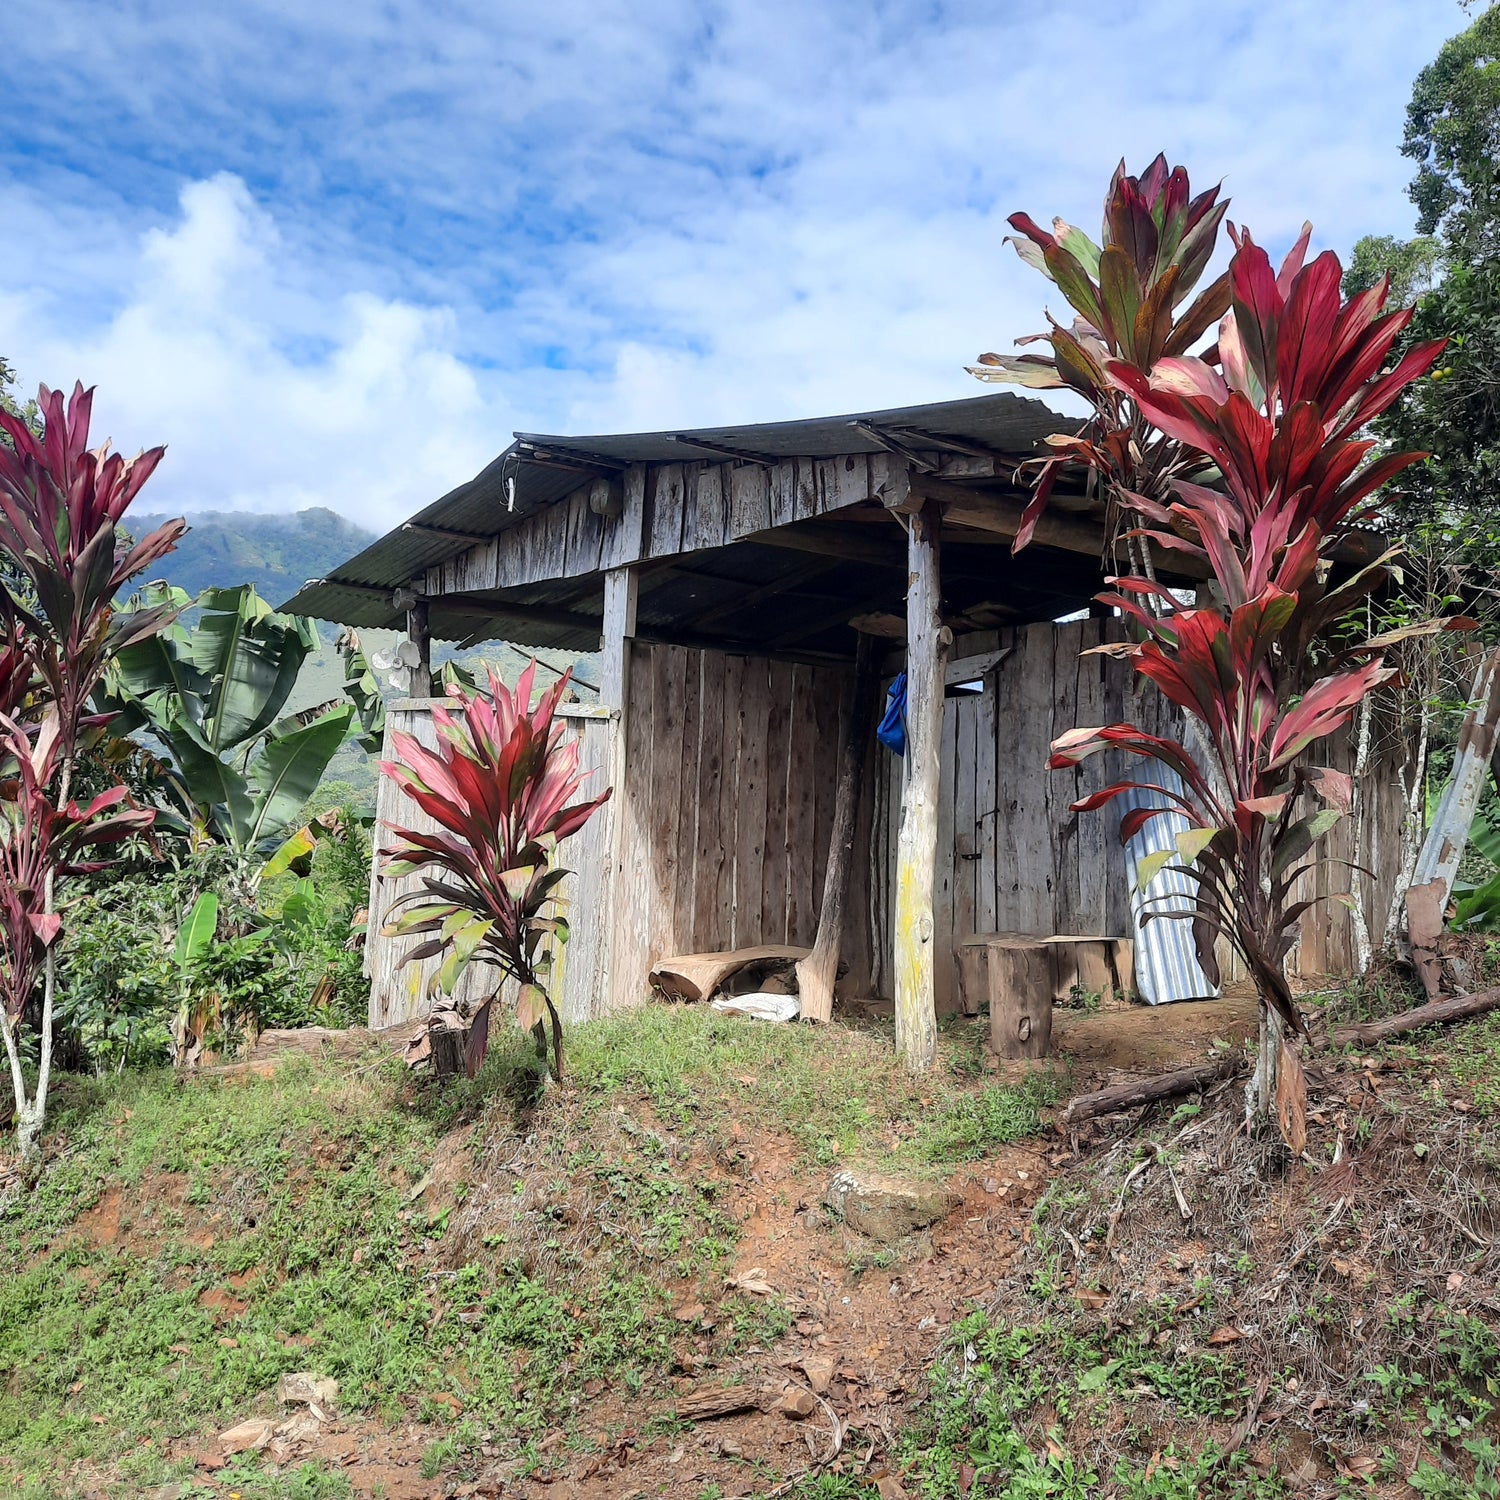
point(60, 509)
point(1451, 504)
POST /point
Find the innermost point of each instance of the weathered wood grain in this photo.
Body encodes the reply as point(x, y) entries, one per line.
point(916, 936)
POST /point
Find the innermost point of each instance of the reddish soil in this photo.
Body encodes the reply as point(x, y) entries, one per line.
point(833, 1391)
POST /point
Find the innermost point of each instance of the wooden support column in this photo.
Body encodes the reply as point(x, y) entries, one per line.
point(621, 590)
point(916, 847)
point(622, 907)
point(816, 972)
point(420, 635)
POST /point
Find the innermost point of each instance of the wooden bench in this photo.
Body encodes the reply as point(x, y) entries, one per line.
point(1021, 975)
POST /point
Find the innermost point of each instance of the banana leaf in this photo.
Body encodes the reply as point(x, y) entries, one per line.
point(250, 656)
point(287, 773)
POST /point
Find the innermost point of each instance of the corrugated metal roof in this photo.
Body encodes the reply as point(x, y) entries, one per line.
point(512, 487)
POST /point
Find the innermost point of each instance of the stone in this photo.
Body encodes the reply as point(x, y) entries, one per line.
point(302, 1388)
point(819, 1371)
point(245, 1437)
point(797, 1405)
point(887, 1208)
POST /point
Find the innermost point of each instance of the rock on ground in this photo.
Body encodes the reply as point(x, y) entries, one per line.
point(887, 1208)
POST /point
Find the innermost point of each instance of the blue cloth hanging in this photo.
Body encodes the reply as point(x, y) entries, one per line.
point(892, 730)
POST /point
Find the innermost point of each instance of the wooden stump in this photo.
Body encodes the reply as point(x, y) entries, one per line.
point(1021, 976)
point(1016, 976)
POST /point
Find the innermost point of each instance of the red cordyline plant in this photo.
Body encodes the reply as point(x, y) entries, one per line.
point(1273, 434)
point(41, 839)
point(60, 505)
point(1125, 292)
point(500, 787)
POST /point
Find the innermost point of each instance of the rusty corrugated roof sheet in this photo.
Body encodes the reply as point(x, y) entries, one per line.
point(511, 487)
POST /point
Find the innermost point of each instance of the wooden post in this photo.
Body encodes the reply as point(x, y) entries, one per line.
point(816, 972)
point(621, 590)
point(420, 635)
point(916, 848)
point(1478, 740)
point(621, 907)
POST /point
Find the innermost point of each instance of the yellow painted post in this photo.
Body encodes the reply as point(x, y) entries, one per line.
point(916, 847)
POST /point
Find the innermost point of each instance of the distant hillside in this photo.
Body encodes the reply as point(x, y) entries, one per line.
point(278, 554)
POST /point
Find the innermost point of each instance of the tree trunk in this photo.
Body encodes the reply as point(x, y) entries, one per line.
point(816, 972)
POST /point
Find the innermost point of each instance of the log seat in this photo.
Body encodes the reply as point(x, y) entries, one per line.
point(1021, 975)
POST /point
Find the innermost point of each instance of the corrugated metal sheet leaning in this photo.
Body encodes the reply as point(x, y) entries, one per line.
point(1166, 962)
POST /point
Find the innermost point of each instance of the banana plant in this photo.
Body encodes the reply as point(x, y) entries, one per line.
point(212, 693)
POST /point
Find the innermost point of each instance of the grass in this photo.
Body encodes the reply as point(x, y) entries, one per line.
point(193, 1240)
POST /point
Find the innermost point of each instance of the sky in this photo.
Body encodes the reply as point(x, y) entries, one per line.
point(336, 254)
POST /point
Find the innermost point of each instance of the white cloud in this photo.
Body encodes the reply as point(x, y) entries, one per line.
point(598, 215)
point(269, 396)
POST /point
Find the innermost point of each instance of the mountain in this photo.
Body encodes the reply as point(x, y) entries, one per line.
point(278, 554)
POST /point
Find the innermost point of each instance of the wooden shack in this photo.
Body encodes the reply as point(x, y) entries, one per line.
point(725, 575)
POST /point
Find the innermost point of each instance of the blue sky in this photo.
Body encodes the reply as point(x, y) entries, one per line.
point(334, 254)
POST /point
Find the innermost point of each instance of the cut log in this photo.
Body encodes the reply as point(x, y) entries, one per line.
point(697, 976)
point(1150, 1090)
point(816, 972)
point(722, 1401)
point(1191, 1080)
point(1015, 976)
point(1439, 1013)
point(1094, 966)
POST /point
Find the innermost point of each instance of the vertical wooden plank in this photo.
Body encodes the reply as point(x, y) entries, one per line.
point(783, 492)
point(944, 975)
point(857, 945)
point(965, 842)
point(710, 519)
point(1010, 853)
point(916, 1015)
point(664, 510)
point(1096, 829)
point(805, 497)
point(750, 812)
point(668, 688)
point(632, 894)
point(801, 807)
point(708, 843)
point(1035, 830)
point(986, 815)
point(687, 783)
point(622, 536)
point(749, 499)
point(724, 896)
point(830, 689)
point(1062, 786)
point(579, 972)
point(779, 849)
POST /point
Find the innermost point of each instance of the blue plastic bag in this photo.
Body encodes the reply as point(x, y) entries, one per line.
point(892, 730)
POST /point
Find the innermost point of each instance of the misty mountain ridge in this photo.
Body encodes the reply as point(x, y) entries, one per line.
point(277, 553)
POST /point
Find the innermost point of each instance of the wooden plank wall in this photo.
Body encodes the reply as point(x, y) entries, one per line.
point(668, 509)
point(1011, 856)
point(399, 991)
point(733, 764)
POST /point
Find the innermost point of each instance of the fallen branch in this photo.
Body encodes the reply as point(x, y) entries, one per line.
point(1149, 1090)
point(1438, 1013)
point(1195, 1079)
